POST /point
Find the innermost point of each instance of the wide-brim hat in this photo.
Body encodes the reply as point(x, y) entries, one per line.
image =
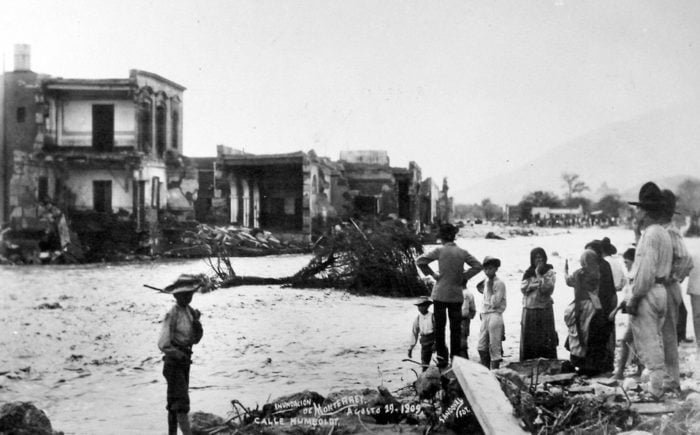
point(650, 197)
point(607, 247)
point(670, 201)
point(423, 300)
point(491, 260)
point(185, 283)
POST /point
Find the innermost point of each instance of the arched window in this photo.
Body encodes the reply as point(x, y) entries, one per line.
point(160, 130)
point(175, 129)
point(144, 121)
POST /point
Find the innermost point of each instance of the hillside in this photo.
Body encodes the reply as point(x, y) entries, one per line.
point(661, 145)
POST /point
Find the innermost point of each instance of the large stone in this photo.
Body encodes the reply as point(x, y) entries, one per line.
point(202, 423)
point(428, 383)
point(23, 418)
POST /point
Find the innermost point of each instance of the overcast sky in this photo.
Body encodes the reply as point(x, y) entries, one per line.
point(466, 89)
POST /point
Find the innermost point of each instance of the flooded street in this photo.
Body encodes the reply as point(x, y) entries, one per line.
point(93, 365)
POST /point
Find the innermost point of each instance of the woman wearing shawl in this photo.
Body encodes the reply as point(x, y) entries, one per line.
point(579, 314)
point(538, 338)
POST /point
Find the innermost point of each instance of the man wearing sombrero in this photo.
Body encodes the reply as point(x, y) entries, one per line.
point(181, 330)
point(652, 267)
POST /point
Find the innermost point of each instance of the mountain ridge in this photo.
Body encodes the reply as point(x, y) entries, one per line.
point(659, 145)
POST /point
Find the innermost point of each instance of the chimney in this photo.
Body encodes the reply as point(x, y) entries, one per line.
point(23, 57)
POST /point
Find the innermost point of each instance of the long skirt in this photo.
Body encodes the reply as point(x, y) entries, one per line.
point(538, 338)
point(599, 358)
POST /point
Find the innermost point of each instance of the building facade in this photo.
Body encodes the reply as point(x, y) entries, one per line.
point(99, 145)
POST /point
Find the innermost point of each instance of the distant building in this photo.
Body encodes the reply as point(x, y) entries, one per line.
point(376, 188)
point(282, 192)
point(302, 192)
point(370, 157)
point(429, 196)
point(548, 212)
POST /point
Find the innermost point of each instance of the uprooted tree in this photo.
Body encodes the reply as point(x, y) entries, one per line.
point(364, 257)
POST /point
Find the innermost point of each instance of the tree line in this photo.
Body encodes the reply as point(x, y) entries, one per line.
point(609, 206)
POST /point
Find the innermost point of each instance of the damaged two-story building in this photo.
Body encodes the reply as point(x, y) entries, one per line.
point(105, 141)
point(106, 146)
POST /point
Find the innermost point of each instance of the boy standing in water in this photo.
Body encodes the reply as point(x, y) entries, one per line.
point(181, 330)
point(423, 327)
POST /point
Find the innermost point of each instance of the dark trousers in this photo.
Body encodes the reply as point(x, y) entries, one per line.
point(443, 311)
point(177, 374)
point(682, 320)
point(427, 347)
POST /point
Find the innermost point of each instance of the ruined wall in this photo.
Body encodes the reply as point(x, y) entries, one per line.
point(282, 198)
point(182, 188)
point(20, 124)
point(371, 157)
point(156, 194)
point(79, 182)
point(21, 92)
point(317, 191)
point(24, 185)
point(340, 196)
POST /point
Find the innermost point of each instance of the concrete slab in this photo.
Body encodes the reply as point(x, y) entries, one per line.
point(484, 394)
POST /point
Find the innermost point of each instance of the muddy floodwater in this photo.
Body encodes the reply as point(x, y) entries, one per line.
point(93, 366)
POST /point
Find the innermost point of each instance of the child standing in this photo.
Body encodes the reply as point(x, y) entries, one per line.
point(181, 329)
point(423, 327)
point(468, 313)
point(627, 340)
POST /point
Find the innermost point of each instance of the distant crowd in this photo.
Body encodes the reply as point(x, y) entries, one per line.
point(649, 282)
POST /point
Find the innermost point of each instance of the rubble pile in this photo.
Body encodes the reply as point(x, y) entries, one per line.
point(550, 399)
point(376, 411)
point(199, 240)
point(107, 236)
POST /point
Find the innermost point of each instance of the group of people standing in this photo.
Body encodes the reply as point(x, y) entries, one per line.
point(654, 270)
point(453, 301)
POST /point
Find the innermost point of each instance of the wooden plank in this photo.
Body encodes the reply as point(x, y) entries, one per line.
point(487, 400)
point(581, 389)
point(654, 407)
point(544, 379)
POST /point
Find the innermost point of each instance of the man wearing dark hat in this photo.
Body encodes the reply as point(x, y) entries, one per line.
point(423, 329)
point(181, 329)
point(447, 291)
point(681, 264)
point(491, 333)
point(652, 267)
